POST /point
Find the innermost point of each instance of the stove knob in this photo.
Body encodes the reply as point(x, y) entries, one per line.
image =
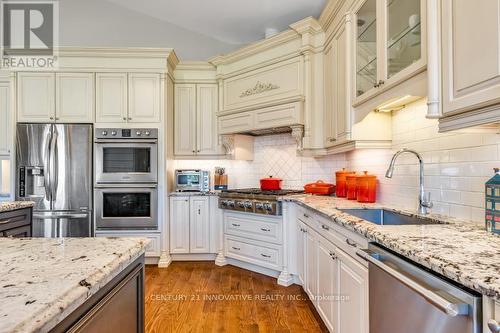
point(248, 204)
point(104, 133)
point(113, 133)
point(138, 133)
point(147, 133)
point(223, 203)
point(230, 203)
point(268, 206)
point(241, 204)
point(259, 206)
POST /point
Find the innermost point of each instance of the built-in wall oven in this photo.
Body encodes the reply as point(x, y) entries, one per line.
point(126, 179)
point(126, 156)
point(126, 207)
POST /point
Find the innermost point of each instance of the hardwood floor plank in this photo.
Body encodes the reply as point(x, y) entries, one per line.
point(202, 297)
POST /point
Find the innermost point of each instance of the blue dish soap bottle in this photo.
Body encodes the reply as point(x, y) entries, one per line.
point(492, 195)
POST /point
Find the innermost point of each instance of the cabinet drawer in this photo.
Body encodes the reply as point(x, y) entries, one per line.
point(255, 252)
point(152, 250)
point(15, 219)
point(263, 86)
point(24, 231)
point(258, 228)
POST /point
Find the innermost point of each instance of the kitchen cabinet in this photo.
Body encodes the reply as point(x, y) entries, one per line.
point(74, 97)
point(5, 121)
point(16, 223)
point(491, 315)
point(189, 224)
point(389, 46)
point(470, 78)
point(128, 98)
point(152, 250)
point(311, 263)
point(328, 284)
point(111, 97)
point(35, 97)
point(301, 250)
point(195, 120)
point(59, 97)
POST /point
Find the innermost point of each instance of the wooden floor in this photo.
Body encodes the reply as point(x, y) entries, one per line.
point(202, 297)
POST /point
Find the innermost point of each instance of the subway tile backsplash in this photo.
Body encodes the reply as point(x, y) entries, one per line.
point(457, 165)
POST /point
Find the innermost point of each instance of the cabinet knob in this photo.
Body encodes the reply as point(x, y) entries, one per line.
point(494, 326)
point(194, 151)
point(332, 140)
point(57, 118)
point(129, 118)
point(325, 227)
point(333, 255)
point(51, 118)
point(198, 151)
point(124, 118)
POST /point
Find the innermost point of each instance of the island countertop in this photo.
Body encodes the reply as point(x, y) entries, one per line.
point(43, 280)
point(7, 206)
point(462, 251)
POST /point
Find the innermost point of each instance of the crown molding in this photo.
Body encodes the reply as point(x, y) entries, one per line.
point(307, 25)
point(195, 66)
point(330, 12)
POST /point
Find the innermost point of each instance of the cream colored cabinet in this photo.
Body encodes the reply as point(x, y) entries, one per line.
point(389, 45)
point(491, 315)
point(470, 40)
point(35, 97)
point(75, 97)
point(328, 284)
point(199, 225)
point(144, 98)
point(60, 97)
point(111, 97)
point(5, 122)
point(189, 224)
point(300, 251)
point(128, 98)
point(195, 120)
point(311, 263)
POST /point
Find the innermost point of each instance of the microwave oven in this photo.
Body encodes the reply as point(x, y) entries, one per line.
point(192, 181)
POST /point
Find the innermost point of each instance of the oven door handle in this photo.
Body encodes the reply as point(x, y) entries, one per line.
point(450, 308)
point(122, 186)
point(124, 141)
point(61, 216)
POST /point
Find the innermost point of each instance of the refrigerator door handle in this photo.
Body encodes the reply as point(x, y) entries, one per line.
point(53, 165)
point(46, 169)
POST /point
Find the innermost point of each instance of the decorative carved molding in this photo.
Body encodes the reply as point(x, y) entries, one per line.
point(228, 143)
point(259, 89)
point(298, 135)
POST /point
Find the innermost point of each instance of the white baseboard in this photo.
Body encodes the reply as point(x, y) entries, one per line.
point(193, 257)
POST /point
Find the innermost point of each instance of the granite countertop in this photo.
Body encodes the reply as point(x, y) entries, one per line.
point(43, 280)
point(460, 250)
point(8, 206)
point(189, 194)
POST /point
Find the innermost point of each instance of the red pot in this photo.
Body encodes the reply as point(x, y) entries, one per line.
point(320, 188)
point(270, 184)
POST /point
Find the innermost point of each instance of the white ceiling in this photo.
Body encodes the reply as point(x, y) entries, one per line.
point(230, 21)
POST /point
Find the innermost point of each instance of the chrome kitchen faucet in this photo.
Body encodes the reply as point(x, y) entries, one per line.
point(423, 202)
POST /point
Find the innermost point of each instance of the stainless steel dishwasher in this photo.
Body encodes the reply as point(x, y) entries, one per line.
point(410, 299)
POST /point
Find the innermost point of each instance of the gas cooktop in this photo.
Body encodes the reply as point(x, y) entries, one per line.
point(254, 200)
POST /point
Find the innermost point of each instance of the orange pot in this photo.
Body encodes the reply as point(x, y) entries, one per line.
point(351, 185)
point(367, 187)
point(340, 182)
point(319, 188)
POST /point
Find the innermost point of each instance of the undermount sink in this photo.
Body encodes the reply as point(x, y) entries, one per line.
point(387, 217)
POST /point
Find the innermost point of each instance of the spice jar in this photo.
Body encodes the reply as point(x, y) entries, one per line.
point(340, 182)
point(352, 187)
point(367, 188)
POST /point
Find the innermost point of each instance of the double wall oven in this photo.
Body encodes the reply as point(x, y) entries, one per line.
point(126, 179)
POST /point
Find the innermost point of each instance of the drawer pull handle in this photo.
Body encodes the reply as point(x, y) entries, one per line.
point(236, 248)
point(350, 242)
point(264, 229)
point(265, 255)
point(235, 225)
point(333, 255)
point(325, 227)
point(6, 221)
point(306, 216)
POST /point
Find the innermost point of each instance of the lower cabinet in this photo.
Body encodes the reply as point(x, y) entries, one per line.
point(336, 283)
point(152, 250)
point(189, 224)
point(16, 223)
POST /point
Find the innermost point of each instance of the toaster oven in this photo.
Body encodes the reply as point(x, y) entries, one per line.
point(192, 181)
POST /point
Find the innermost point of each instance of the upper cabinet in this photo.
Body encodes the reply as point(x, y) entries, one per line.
point(464, 71)
point(195, 129)
point(36, 97)
point(5, 121)
point(75, 97)
point(389, 48)
point(128, 98)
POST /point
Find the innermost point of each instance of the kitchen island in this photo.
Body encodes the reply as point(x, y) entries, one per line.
point(82, 284)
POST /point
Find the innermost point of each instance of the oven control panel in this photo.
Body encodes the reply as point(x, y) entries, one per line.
point(126, 133)
point(251, 206)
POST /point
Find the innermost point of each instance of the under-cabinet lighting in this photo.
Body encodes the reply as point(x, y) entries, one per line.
point(396, 104)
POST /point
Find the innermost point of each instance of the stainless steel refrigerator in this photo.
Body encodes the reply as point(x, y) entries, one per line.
point(54, 169)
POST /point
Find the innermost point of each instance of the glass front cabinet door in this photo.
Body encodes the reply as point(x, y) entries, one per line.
point(389, 44)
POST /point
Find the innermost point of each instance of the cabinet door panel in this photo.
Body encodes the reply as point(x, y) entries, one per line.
point(35, 97)
point(75, 97)
point(185, 119)
point(471, 56)
point(111, 97)
point(327, 283)
point(301, 252)
point(144, 98)
point(206, 109)
point(179, 225)
point(353, 283)
point(311, 264)
point(342, 106)
point(199, 225)
point(5, 124)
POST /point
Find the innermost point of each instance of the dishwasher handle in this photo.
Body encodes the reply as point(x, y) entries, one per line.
point(450, 308)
